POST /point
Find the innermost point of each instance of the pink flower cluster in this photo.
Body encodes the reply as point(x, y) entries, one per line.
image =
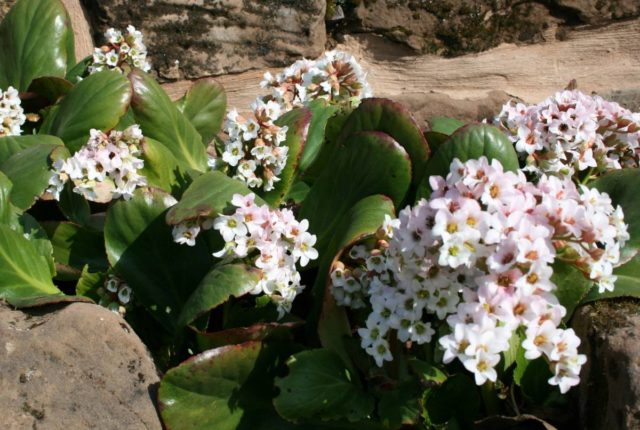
point(572, 132)
point(272, 240)
point(478, 253)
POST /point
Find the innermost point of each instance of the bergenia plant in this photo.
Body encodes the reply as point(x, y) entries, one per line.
point(318, 261)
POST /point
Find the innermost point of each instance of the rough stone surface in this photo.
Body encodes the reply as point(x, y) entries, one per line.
point(609, 393)
point(213, 37)
point(454, 27)
point(74, 367)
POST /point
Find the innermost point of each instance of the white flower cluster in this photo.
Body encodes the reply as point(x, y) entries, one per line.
point(572, 132)
point(254, 152)
point(479, 253)
point(11, 113)
point(271, 239)
point(122, 52)
point(106, 168)
point(336, 76)
point(116, 295)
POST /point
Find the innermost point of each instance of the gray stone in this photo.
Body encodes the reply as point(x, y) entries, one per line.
point(609, 392)
point(214, 37)
point(74, 367)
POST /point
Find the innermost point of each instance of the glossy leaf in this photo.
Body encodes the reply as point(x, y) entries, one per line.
point(372, 163)
point(444, 125)
point(141, 249)
point(24, 272)
point(297, 121)
point(50, 88)
point(11, 145)
point(321, 112)
point(621, 186)
point(401, 405)
point(205, 105)
point(79, 69)
point(75, 247)
point(393, 119)
point(428, 373)
point(221, 283)
point(89, 283)
point(160, 167)
point(29, 226)
point(29, 170)
point(253, 333)
point(320, 387)
point(228, 388)
point(7, 210)
point(35, 38)
point(572, 285)
point(74, 206)
point(210, 194)
point(470, 142)
point(161, 120)
point(627, 284)
point(98, 101)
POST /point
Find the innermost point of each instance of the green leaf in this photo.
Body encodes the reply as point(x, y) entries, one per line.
point(78, 70)
point(621, 186)
point(372, 163)
point(98, 101)
point(89, 283)
point(321, 112)
point(627, 284)
point(297, 121)
point(444, 125)
point(161, 120)
point(11, 145)
point(225, 388)
point(534, 377)
point(572, 285)
point(320, 387)
point(427, 372)
point(511, 354)
point(298, 192)
point(217, 287)
point(51, 88)
point(457, 398)
point(209, 195)
point(74, 206)
point(27, 225)
point(360, 221)
point(7, 210)
point(395, 120)
point(35, 36)
point(24, 272)
point(467, 143)
point(29, 170)
point(140, 247)
point(401, 405)
point(236, 335)
point(160, 167)
point(75, 247)
point(205, 105)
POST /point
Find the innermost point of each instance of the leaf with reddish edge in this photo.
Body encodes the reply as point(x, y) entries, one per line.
point(389, 117)
point(209, 195)
point(226, 388)
point(253, 333)
point(204, 105)
point(297, 121)
point(361, 221)
point(38, 301)
point(161, 120)
point(50, 88)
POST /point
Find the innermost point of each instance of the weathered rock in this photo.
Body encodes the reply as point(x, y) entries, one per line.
point(455, 27)
point(75, 367)
point(609, 393)
point(213, 37)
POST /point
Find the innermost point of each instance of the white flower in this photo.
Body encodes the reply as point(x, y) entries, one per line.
point(12, 115)
point(186, 233)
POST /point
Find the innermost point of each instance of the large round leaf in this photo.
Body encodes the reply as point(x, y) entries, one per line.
point(161, 120)
point(74, 247)
point(34, 42)
point(297, 121)
point(141, 249)
point(227, 388)
point(23, 270)
point(217, 287)
point(205, 105)
point(98, 101)
point(467, 143)
point(321, 112)
point(320, 387)
point(160, 167)
point(11, 145)
point(621, 185)
point(372, 163)
point(29, 170)
point(210, 194)
point(392, 118)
